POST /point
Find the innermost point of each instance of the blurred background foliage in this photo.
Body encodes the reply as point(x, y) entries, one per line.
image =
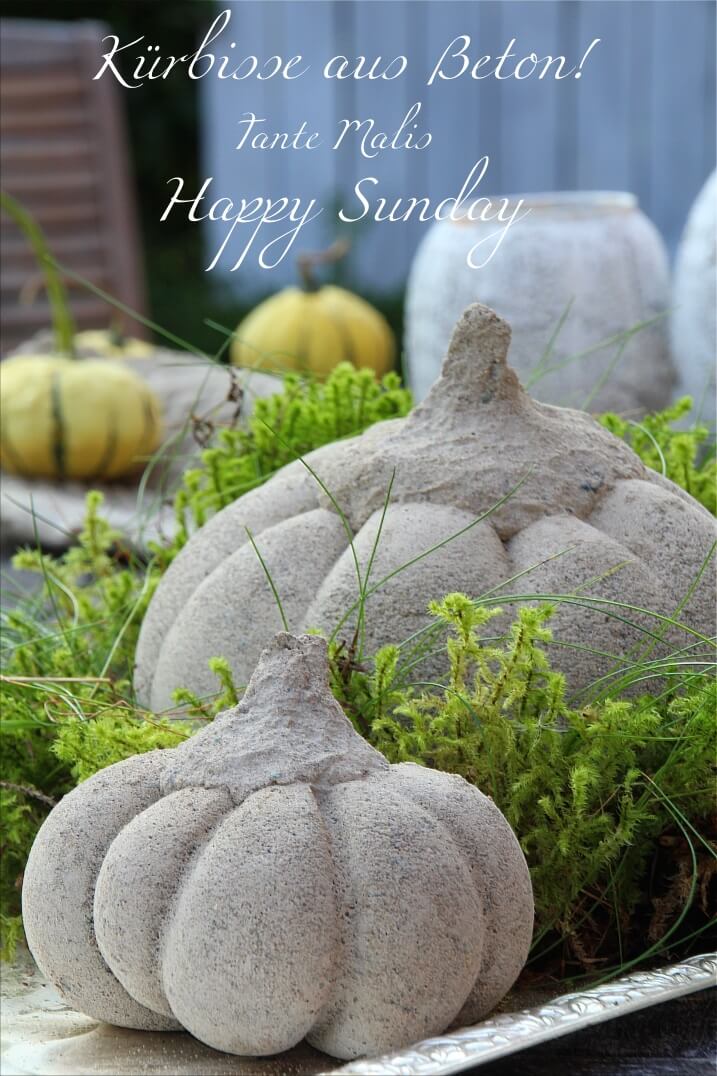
point(165, 141)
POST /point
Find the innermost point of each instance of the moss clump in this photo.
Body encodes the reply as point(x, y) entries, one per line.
point(305, 415)
point(687, 457)
point(596, 795)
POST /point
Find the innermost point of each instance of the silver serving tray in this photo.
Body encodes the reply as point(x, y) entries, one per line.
point(42, 1036)
point(506, 1033)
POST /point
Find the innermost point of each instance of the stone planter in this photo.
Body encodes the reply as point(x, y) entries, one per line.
point(593, 250)
point(692, 327)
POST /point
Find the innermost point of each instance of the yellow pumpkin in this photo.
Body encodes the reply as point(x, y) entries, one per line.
point(62, 417)
point(106, 344)
point(74, 418)
point(312, 331)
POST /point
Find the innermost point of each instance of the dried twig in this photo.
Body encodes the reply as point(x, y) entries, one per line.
point(28, 790)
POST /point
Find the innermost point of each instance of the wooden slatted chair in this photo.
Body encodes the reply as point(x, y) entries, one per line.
point(63, 155)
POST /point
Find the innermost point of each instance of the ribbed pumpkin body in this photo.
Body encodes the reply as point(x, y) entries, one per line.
point(313, 331)
point(565, 508)
point(67, 418)
point(274, 878)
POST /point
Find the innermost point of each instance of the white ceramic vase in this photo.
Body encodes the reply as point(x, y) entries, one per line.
point(694, 301)
point(593, 255)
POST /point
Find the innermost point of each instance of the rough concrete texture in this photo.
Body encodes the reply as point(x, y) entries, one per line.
point(274, 879)
point(59, 888)
point(316, 537)
point(693, 317)
point(568, 510)
point(287, 728)
point(602, 258)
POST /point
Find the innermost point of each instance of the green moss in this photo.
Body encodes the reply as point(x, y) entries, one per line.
point(590, 792)
point(304, 416)
point(687, 457)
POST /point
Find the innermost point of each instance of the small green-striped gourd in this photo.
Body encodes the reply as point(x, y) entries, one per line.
point(66, 417)
point(74, 418)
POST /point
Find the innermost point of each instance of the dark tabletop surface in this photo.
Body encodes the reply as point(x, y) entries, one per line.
point(677, 1038)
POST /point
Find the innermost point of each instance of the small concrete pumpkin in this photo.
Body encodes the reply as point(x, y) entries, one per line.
point(274, 878)
point(585, 517)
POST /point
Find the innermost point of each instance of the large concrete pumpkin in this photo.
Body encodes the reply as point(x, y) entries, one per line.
point(584, 517)
point(274, 878)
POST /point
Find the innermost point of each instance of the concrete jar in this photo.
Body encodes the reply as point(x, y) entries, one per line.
point(588, 265)
point(693, 327)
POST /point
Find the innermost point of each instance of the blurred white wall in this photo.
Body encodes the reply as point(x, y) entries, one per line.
point(641, 118)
